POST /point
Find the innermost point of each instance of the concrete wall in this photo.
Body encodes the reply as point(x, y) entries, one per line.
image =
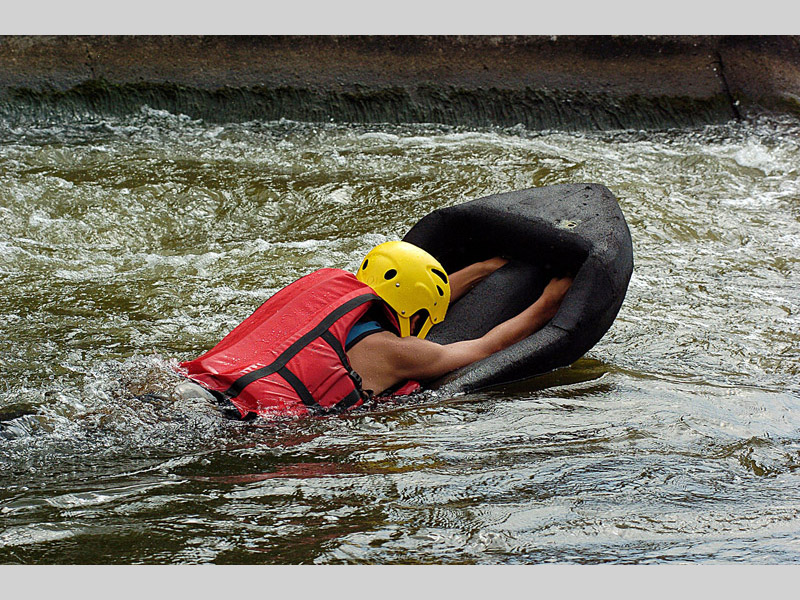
point(572, 82)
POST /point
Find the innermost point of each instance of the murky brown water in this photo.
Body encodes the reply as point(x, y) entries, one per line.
point(128, 244)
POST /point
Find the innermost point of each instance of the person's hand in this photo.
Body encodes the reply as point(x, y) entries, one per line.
point(467, 278)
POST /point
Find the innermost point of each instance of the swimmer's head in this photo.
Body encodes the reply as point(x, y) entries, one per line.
point(411, 281)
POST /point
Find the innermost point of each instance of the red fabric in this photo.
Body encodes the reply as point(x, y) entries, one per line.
point(407, 388)
point(270, 330)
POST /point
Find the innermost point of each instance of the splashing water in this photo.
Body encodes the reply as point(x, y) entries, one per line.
point(128, 244)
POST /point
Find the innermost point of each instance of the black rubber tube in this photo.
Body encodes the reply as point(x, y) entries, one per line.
point(575, 229)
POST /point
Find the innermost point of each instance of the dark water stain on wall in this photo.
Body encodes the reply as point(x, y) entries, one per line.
point(534, 109)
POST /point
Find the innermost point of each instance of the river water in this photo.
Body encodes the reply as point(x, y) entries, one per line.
point(130, 243)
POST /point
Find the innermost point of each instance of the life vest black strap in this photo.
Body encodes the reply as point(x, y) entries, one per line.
point(299, 388)
point(351, 399)
point(313, 406)
point(279, 363)
point(340, 352)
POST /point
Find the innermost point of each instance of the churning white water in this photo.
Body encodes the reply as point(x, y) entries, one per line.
point(128, 244)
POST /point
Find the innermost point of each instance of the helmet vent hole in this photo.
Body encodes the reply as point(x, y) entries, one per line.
point(390, 274)
point(440, 290)
point(364, 266)
point(439, 274)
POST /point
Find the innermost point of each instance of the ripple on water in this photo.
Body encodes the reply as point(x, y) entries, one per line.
point(128, 244)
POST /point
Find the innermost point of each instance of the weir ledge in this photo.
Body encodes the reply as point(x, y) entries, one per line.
point(540, 82)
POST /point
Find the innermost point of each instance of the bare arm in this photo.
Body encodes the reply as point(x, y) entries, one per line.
point(467, 278)
point(383, 360)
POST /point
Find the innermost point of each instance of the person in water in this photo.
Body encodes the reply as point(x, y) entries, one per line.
point(333, 340)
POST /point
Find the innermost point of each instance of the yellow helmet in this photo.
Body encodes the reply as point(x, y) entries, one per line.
point(409, 280)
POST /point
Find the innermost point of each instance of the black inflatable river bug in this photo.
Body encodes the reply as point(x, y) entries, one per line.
point(575, 229)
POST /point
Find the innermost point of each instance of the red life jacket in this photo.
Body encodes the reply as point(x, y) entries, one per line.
point(288, 357)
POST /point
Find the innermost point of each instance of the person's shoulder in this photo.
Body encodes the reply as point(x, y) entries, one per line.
point(389, 341)
point(409, 351)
